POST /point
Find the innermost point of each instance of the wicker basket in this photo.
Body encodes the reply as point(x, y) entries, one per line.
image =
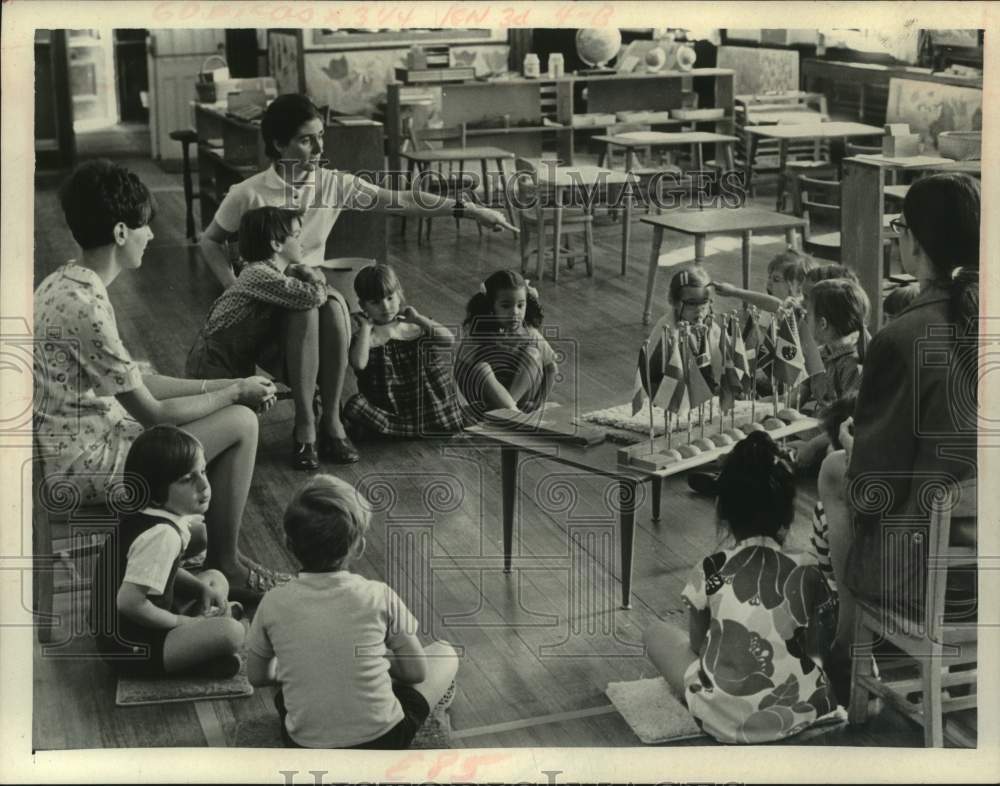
point(207, 89)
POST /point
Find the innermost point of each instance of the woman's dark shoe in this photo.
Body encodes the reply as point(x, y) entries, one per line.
point(304, 456)
point(338, 450)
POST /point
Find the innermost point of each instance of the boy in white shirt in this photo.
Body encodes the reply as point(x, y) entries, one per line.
point(343, 648)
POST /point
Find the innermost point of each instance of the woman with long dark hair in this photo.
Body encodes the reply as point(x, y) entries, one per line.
point(914, 425)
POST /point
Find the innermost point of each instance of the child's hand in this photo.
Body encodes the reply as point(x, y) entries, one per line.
point(724, 289)
point(305, 273)
point(846, 436)
point(214, 601)
point(409, 314)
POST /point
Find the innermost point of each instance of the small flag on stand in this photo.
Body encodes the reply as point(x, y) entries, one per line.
point(790, 365)
point(644, 388)
point(698, 389)
point(740, 360)
point(703, 356)
point(733, 375)
point(679, 403)
point(672, 371)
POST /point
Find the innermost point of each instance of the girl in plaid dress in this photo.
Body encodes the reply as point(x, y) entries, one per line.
point(403, 364)
point(504, 361)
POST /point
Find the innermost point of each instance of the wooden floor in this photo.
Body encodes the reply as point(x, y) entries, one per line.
point(538, 647)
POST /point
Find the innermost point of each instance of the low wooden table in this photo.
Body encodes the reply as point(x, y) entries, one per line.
point(701, 223)
point(792, 132)
point(632, 140)
point(601, 460)
point(422, 159)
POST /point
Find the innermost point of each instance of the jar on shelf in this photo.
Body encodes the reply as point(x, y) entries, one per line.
point(557, 65)
point(532, 66)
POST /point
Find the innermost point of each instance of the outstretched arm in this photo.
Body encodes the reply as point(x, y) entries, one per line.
point(762, 300)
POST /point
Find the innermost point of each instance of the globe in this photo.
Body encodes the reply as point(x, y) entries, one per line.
point(656, 58)
point(596, 46)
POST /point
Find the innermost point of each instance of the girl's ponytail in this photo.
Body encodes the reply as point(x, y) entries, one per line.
point(864, 339)
point(479, 306)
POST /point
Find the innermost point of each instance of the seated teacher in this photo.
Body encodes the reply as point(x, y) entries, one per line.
point(915, 420)
point(94, 400)
point(292, 128)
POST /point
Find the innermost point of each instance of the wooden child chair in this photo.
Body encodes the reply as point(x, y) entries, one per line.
point(944, 649)
point(560, 221)
point(444, 180)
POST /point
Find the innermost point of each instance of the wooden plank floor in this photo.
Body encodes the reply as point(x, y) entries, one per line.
point(532, 645)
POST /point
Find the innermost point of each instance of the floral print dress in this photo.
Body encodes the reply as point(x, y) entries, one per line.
point(81, 364)
point(754, 681)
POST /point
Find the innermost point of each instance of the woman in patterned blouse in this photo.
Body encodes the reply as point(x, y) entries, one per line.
point(93, 400)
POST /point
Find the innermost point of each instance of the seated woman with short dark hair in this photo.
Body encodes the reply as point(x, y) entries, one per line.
point(95, 400)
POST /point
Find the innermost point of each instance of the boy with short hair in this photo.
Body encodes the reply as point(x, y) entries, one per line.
point(343, 648)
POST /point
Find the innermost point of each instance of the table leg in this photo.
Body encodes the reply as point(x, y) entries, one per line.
point(782, 162)
point(508, 475)
point(188, 194)
point(657, 494)
point(751, 152)
point(654, 258)
point(556, 241)
point(747, 234)
point(792, 238)
point(626, 227)
point(503, 192)
point(486, 184)
point(699, 249)
point(628, 492)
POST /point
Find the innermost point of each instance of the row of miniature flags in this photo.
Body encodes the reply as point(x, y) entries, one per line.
point(684, 367)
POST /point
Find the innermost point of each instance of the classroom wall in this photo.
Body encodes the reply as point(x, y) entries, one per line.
point(354, 81)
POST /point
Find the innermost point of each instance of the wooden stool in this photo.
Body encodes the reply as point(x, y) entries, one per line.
point(186, 136)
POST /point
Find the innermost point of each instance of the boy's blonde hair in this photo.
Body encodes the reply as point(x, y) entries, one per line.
point(323, 521)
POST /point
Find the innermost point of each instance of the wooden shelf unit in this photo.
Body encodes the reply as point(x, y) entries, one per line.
point(532, 99)
point(349, 148)
point(862, 226)
point(860, 91)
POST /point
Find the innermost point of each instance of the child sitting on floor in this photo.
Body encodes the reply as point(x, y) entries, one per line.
point(504, 362)
point(403, 363)
point(137, 612)
point(837, 316)
point(277, 316)
point(343, 649)
point(786, 273)
point(689, 299)
point(762, 620)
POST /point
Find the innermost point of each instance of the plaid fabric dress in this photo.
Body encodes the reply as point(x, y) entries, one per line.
point(407, 390)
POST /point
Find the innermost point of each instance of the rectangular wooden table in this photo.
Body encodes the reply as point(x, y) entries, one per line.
point(601, 460)
point(701, 223)
point(791, 132)
point(632, 140)
point(422, 160)
point(561, 181)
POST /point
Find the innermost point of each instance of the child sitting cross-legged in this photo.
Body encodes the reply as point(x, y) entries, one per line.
point(762, 620)
point(403, 361)
point(343, 648)
point(151, 617)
